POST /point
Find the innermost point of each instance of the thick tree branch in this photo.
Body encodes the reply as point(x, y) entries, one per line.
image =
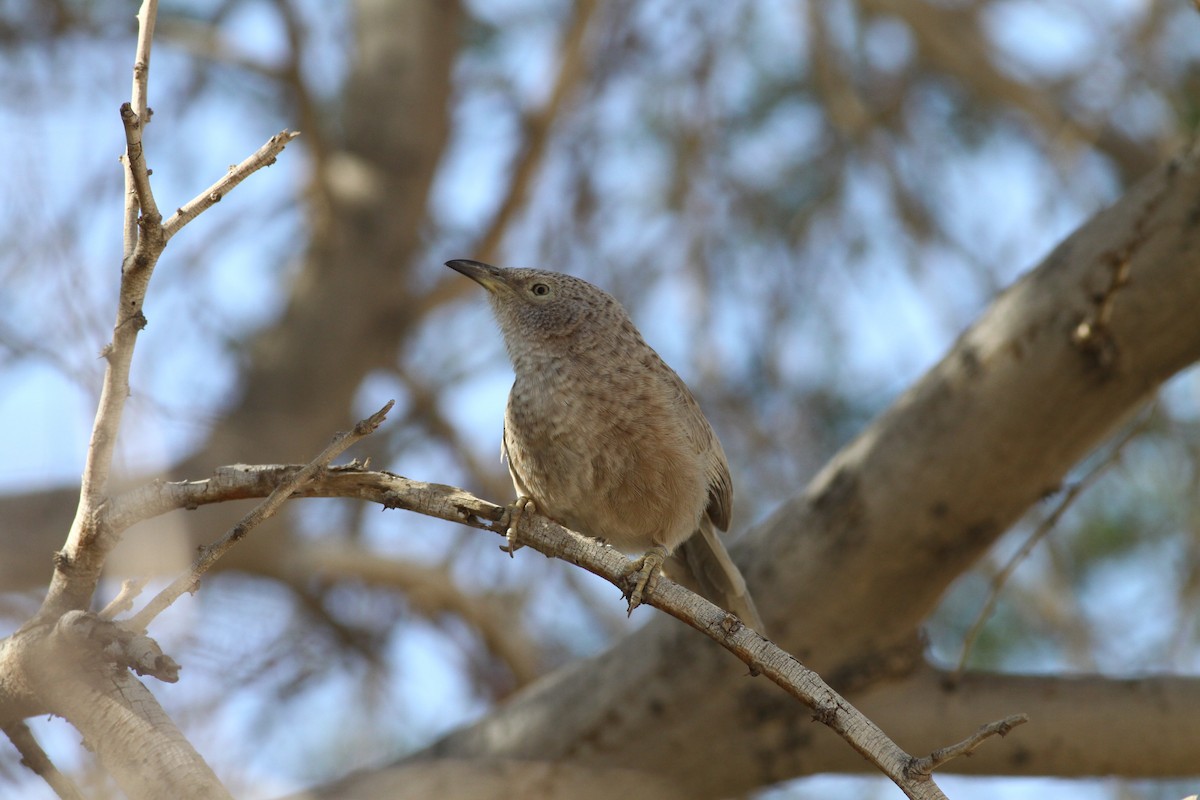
point(1070, 729)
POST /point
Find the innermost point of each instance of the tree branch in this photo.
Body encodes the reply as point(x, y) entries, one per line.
point(926, 765)
point(263, 157)
point(35, 758)
point(78, 563)
point(79, 668)
point(551, 539)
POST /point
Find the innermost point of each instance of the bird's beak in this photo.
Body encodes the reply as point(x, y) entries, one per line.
point(487, 276)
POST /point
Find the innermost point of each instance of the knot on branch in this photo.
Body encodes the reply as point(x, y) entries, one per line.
point(87, 633)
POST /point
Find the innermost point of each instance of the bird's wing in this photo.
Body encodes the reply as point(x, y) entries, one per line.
point(720, 487)
point(702, 437)
point(519, 484)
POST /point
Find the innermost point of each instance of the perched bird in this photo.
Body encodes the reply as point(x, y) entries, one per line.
point(603, 437)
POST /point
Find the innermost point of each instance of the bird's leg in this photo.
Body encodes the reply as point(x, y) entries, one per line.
point(513, 512)
point(644, 574)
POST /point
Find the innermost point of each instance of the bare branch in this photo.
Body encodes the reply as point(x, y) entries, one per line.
point(189, 581)
point(78, 564)
point(146, 17)
point(120, 646)
point(263, 157)
point(79, 667)
point(35, 758)
point(130, 589)
point(762, 656)
point(925, 766)
point(139, 175)
point(136, 115)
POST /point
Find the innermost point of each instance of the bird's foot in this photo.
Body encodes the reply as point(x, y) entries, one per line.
point(643, 575)
point(511, 518)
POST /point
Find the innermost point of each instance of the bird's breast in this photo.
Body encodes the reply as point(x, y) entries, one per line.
point(604, 453)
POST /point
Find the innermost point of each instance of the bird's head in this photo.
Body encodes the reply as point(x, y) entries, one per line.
point(549, 309)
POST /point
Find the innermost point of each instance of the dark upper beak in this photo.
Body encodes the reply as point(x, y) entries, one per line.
point(487, 276)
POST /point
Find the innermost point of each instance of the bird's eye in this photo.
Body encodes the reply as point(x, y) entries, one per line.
point(540, 289)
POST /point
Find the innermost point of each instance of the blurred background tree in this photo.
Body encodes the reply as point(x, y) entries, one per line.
point(802, 204)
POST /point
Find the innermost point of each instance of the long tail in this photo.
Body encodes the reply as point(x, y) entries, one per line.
point(703, 564)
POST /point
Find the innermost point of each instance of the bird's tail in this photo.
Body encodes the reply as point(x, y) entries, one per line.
point(703, 565)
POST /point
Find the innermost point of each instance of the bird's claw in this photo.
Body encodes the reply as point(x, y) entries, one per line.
point(644, 575)
point(511, 518)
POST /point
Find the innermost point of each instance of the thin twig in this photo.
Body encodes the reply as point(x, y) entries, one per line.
point(136, 115)
point(263, 157)
point(130, 589)
point(925, 766)
point(190, 580)
point(147, 16)
point(1068, 499)
point(35, 758)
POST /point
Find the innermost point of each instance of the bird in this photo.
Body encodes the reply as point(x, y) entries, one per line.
point(603, 437)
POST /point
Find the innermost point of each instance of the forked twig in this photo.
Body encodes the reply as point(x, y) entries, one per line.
point(925, 766)
point(190, 580)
